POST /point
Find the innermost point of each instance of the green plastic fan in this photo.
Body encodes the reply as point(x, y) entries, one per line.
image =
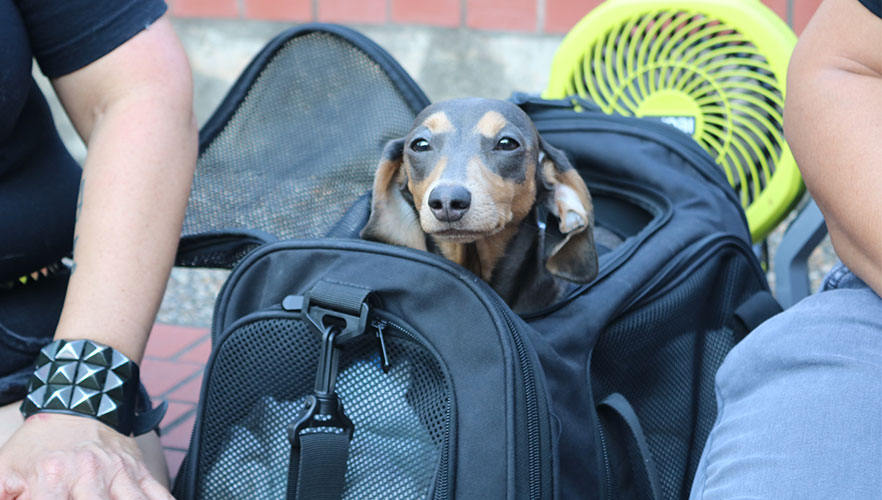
point(714, 69)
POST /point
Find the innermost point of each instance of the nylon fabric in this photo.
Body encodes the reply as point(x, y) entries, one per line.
point(320, 466)
point(339, 296)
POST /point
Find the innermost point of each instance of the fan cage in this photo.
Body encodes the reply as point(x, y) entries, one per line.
point(715, 80)
point(731, 99)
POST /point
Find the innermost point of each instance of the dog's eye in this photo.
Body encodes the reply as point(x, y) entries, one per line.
point(420, 145)
point(507, 144)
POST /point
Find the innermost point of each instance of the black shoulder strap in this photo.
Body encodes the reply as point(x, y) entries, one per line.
point(317, 469)
point(756, 309)
point(621, 421)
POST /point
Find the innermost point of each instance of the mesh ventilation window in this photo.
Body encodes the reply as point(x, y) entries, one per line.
point(259, 383)
point(699, 75)
point(662, 355)
point(302, 145)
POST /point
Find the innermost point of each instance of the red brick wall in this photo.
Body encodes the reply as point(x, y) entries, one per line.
point(526, 16)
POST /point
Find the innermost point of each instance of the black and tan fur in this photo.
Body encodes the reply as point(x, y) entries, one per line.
point(473, 181)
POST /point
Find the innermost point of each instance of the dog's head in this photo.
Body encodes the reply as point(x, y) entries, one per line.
point(471, 170)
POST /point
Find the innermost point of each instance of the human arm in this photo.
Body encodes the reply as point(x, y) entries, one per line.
point(833, 124)
point(133, 109)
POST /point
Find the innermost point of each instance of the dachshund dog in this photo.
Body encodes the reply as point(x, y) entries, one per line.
point(473, 181)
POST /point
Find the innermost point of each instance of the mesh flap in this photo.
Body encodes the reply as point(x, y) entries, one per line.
point(298, 138)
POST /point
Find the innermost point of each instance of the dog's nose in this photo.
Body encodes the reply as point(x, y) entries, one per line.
point(450, 202)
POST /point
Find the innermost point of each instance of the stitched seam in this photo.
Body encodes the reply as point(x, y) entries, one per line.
point(834, 280)
point(85, 34)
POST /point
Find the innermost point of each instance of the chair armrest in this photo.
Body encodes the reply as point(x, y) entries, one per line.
point(791, 259)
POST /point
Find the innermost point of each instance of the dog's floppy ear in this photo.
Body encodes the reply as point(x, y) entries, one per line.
point(393, 218)
point(571, 254)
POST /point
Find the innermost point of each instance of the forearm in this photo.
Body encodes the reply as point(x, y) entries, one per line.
point(136, 177)
point(833, 122)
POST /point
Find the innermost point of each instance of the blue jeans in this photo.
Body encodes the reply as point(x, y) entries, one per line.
point(799, 403)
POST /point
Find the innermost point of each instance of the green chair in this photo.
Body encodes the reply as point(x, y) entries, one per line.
point(715, 69)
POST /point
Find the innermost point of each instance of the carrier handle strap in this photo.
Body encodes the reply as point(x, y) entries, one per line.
point(321, 434)
point(623, 412)
point(755, 310)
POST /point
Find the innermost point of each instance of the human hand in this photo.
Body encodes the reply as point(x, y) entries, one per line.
point(54, 456)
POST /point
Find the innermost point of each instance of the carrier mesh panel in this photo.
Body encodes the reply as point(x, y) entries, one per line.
point(302, 145)
point(662, 356)
point(260, 379)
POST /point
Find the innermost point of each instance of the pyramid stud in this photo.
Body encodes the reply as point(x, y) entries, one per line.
point(85, 400)
point(91, 376)
point(63, 372)
point(42, 373)
point(58, 397)
point(113, 386)
point(108, 411)
point(37, 397)
point(40, 377)
point(121, 365)
point(70, 350)
point(47, 353)
point(28, 407)
point(97, 354)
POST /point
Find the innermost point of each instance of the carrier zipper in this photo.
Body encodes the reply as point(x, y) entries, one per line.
point(707, 247)
point(530, 397)
point(607, 469)
point(442, 489)
point(379, 325)
point(530, 400)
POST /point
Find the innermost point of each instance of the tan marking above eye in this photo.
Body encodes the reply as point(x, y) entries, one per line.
point(438, 123)
point(490, 124)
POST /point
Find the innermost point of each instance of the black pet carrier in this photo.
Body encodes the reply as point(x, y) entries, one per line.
point(342, 368)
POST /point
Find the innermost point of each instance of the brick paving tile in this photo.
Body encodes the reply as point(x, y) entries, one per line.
point(275, 10)
point(168, 340)
point(179, 436)
point(198, 353)
point(206, 8)
point(174, 458)
point(188, 392)
point(175, 411)
point(434, 12)
point(509, 15)
point(160, 376)
point(347, 11)
point(562, 15)
point(174, 357)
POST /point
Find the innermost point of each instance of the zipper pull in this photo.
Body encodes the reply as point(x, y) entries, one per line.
point(381, 344)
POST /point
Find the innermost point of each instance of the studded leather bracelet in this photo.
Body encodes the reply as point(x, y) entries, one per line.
point(90, 379)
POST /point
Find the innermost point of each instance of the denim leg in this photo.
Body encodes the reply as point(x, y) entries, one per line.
point(800, 403)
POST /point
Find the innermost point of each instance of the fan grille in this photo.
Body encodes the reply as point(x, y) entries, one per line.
point(698, 74)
